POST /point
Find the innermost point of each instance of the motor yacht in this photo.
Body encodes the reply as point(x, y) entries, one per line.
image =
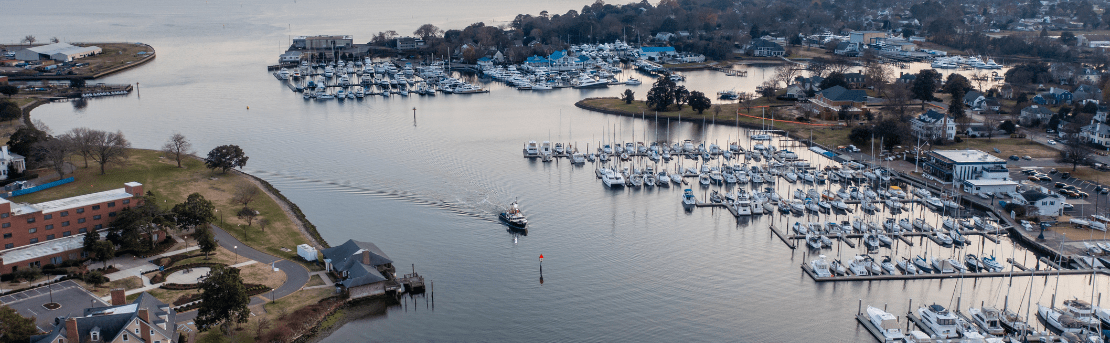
point(939, 320)
point(612, 179)
point(886, 323)
point(858, 266)
point(1076, 316)
point(688, 198)
point(821, 267)
point(987, 319)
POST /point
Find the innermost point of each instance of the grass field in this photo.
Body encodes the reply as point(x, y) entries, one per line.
point(172, 185)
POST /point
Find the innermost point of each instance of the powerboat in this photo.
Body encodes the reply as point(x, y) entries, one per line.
point(987, 319)
point(514, 218)
point(688, 198)
point(1074, 318)
point(820, 267)
point(858, 266)
point(886, 323)
point(612, 179)
point(939, 320)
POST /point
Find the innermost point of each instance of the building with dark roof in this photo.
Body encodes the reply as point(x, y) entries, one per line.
point(363, 267)
point(1034, 112)
point(933, 125)
point(145, 320)
point(839, 96)
point(1046, 202)
point(766, 48)
point(855, 80)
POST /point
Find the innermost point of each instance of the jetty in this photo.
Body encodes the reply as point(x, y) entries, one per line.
point(809, 271)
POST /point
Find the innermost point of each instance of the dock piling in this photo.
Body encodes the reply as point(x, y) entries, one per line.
point(859, 308)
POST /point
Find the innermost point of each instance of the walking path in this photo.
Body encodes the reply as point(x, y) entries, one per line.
point(296, 276)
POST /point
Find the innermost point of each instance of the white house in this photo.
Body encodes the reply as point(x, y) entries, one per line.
point(989, 186)
point(933, 125)
point(17, 163)
point(1046, 203)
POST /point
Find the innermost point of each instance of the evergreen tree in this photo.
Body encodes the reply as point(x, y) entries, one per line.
point(223, 299)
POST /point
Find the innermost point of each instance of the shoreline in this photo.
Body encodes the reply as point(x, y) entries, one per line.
point(98, 75)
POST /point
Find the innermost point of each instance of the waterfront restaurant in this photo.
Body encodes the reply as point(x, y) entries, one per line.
point(958, 165)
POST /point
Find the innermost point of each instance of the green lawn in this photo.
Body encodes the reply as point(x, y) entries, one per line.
point(172, 185)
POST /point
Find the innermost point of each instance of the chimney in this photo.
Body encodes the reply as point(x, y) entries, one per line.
point(144, 315)
point(118, 297)
point(144, 326)
point(366, 257)
point(71, 330)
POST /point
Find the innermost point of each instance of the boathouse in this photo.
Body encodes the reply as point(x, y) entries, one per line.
point(363, 268)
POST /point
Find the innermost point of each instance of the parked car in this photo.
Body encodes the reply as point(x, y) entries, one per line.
point(1082, 194)
point(1068, 207)
point(1060, 185)
point(1065, 175)
point(1051, 142)
point(1044, 177)
point(1052, 171)
point(1015, 158)
point(1103, 190)
point(1027, 158)
point(1067, 187)
point(1034, 178)
point(1028, 171)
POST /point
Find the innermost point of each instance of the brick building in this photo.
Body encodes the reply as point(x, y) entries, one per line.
point(50, 232)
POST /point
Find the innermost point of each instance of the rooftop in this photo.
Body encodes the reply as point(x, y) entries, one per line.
point(50, 247)
point(968, 156)
point(990, 182)
point(64, 48)
point(73, 202)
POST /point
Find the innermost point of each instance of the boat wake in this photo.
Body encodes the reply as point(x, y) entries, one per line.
point(478, 204)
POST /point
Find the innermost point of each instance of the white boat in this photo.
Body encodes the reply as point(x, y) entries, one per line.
point(612, 179)
point(987, 319)
point(908, 267)
point(921, 225)
point(820, 267)
point(790, 176)
point(886, 323)
point(813, 241)
point(704, 179)
point(943, 238)
point(858, 266)
point(1074, 318)
point(663, 179)
point(942, 265)
point(888, 266)
point(939, 320)
point(810, 205)
point(688, 198)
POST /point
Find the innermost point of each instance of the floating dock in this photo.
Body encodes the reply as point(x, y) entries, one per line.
point(809, 271)
point(863, 320)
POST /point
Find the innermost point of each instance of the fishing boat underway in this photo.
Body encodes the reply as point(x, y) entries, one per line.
point(513, 217)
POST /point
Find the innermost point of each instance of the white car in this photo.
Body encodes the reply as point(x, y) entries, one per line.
point(1051, 142)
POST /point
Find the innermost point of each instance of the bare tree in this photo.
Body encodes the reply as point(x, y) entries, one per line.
point(898, 96)
point(55, 152)
point(784, 74)
point(30, 39)
point(177, 147)
point(82, 142)
point(248, 214)
point(245, 193)
point(263, 223)
point(108, 148)
point(980, 77)
point(877, 75)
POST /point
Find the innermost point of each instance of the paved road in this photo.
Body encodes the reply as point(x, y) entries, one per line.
point(296, 276)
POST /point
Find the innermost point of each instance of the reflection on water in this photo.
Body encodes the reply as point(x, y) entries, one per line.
point(619, 264)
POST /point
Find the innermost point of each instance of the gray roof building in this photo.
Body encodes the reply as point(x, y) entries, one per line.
point(359, 263)
point(838, 93)
point(144, 320)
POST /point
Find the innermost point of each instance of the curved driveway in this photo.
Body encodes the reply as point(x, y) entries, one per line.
point(296, 276)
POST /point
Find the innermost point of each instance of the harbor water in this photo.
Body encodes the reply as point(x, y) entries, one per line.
point(620, 265)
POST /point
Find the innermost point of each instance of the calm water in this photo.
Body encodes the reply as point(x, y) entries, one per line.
point(625, 265)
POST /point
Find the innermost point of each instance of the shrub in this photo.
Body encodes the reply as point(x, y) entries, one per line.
point(95, 278)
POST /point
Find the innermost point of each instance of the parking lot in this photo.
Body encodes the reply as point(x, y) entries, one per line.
point(72, 297)
point(1095, 203)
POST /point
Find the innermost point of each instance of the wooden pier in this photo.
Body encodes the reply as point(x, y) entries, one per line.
point(847, 241)
point(413, 283)
point(783, 238)
point(1016, 264)
point(905, 240)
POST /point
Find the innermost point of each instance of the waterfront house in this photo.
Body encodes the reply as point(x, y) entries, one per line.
point(933, 125)
point(409, 43)
point(795, 92)
point(363, 268)
point(765, 48)
point(1046, 203)
point(855, 80)
point(839, 96)
point(146, 320)
point(536, 62)
point(907, 78)
point(323, 42)
point(53, 231)
point(292, 56)
point(848, 49)
point(971, 97)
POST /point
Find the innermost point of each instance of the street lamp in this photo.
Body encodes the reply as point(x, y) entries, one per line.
point(236, 251)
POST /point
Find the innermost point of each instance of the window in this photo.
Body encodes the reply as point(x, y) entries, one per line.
point(125, 202)
point(34, 240)
point(3, 215)
point(33, 230)
point(65, 213)
point(49, 237)
point(47, 216)
point(111, 204)
point(96, 217)
point(7, 235)
point(80, 220)
point(9, 246)
point(136, 331)
point(56, 260)
point(6, 225)
point(151, 331)
point(96, 207)
point(67, 234)
point(31, 220)
point(95, 335)
point(125, 337)
point(81, 210)
point(82, 230)
point(65, 223)
point(49, 226)
point(111, 214)
point(98, 226)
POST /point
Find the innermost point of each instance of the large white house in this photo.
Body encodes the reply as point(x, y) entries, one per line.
point(933, 125)
point(14, 160)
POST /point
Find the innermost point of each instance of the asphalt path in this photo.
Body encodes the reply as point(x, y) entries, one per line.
point(296, 276)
